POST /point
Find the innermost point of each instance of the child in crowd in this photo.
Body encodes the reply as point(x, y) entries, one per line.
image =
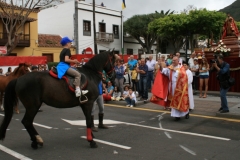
point(116, 94)
point(134, 76)
point(125, 93)
point(131, 98)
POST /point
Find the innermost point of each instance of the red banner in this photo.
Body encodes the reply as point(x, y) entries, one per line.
point(15, 60)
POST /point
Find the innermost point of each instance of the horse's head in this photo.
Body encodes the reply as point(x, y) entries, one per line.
point(24, 67)
point(109, 66)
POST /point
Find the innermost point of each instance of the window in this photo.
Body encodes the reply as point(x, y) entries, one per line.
point(116, 31)
point(87, 28)
point(140, 51)
point(129, 51)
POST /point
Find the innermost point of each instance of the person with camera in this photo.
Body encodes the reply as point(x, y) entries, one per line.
point(223, 75)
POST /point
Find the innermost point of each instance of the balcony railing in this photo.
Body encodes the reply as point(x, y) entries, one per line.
point(24, 40)
point(104, 37)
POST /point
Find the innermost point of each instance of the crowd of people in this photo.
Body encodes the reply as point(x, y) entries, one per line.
point(143, 72)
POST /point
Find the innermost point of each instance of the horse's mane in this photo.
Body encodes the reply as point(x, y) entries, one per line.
point(95, 63)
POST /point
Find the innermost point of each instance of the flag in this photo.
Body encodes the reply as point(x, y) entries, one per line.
point(123, 4)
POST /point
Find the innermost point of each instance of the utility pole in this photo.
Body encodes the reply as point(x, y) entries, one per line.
point(76, 26)
point(94, 30)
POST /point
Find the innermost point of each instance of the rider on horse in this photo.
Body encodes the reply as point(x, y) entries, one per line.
point(64, 66)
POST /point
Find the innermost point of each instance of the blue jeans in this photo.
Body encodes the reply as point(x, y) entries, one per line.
point(224, 103)
point(149, 79)
point(130, 101)
point(143, 87)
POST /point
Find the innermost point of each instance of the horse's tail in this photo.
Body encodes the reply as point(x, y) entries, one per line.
point(10, 100)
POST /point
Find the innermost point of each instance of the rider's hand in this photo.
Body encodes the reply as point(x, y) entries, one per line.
point(75, 61)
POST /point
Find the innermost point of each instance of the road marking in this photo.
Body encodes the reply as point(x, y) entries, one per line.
point(168, 135)
point(188, 150)
point(192, 115)
point(13, 153)
point(109, 143)
point(40, 125)
point(83, 123)
point(182, 132)
point(37, 124)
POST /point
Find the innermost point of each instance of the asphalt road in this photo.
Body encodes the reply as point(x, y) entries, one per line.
point(133, 134)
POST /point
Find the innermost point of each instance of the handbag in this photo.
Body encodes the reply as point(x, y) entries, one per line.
point(231, 81)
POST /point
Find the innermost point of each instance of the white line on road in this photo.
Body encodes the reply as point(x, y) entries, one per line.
point(188, 150)
point(109, 143)
point(83, 123)
point(13, 153)
point(175, 131)
point(40, 125)
point(168, 135)
point(36, 124)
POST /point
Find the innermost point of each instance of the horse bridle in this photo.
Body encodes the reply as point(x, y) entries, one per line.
point(112, 67)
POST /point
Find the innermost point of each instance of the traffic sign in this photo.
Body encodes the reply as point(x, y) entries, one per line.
point(3, 50)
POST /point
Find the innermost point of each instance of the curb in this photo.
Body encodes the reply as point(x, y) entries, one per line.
point(228, 115)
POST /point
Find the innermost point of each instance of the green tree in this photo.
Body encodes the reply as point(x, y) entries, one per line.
point(137, 27)
point(175, 28)
point(204, 22)
point(238, 25)
point(172, 28)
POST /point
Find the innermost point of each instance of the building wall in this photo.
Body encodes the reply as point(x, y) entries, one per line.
point(27, 51)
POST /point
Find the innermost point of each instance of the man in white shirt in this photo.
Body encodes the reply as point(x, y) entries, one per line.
point(179, 58)
point(195, 73)
point(151, 64)
point(191, 59)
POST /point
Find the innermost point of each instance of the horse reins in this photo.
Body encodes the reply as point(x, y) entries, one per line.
point(109, 59)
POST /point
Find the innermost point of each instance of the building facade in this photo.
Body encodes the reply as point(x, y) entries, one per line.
point(60, 20)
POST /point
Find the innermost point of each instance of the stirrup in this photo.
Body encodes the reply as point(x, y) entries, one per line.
point(84, 92)
point(84, 101)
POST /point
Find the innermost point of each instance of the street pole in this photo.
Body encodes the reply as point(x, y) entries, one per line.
point(122, 43)
point(94, 30)
point(76, 26)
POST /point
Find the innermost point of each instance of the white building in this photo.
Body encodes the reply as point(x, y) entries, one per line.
point(60, 20)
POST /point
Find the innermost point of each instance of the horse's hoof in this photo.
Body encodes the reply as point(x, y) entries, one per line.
point(93, 144)
point(39, 140)
point(34, 145)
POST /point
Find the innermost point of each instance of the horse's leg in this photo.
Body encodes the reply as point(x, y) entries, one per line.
point(27, 121)
point(87, 109)
point(1, 99)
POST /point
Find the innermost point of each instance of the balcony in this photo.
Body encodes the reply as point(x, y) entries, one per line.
point(104, 37)
point(24, 40)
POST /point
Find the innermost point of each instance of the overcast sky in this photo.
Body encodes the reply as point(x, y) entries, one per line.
point(150, 6)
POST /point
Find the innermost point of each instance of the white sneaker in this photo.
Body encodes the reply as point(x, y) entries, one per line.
point(131, 106)
point(127, 105)
point(78, 92)
point(84, 92)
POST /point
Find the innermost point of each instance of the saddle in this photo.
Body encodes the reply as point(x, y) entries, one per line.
point(69, 79)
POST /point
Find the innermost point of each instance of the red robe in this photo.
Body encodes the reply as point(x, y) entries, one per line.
point(160, 89)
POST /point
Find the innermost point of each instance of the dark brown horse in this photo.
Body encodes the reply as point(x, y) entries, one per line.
point(22, 69)
point(37, 87)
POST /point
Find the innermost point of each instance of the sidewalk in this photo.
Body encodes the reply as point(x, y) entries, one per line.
point(203, 106)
